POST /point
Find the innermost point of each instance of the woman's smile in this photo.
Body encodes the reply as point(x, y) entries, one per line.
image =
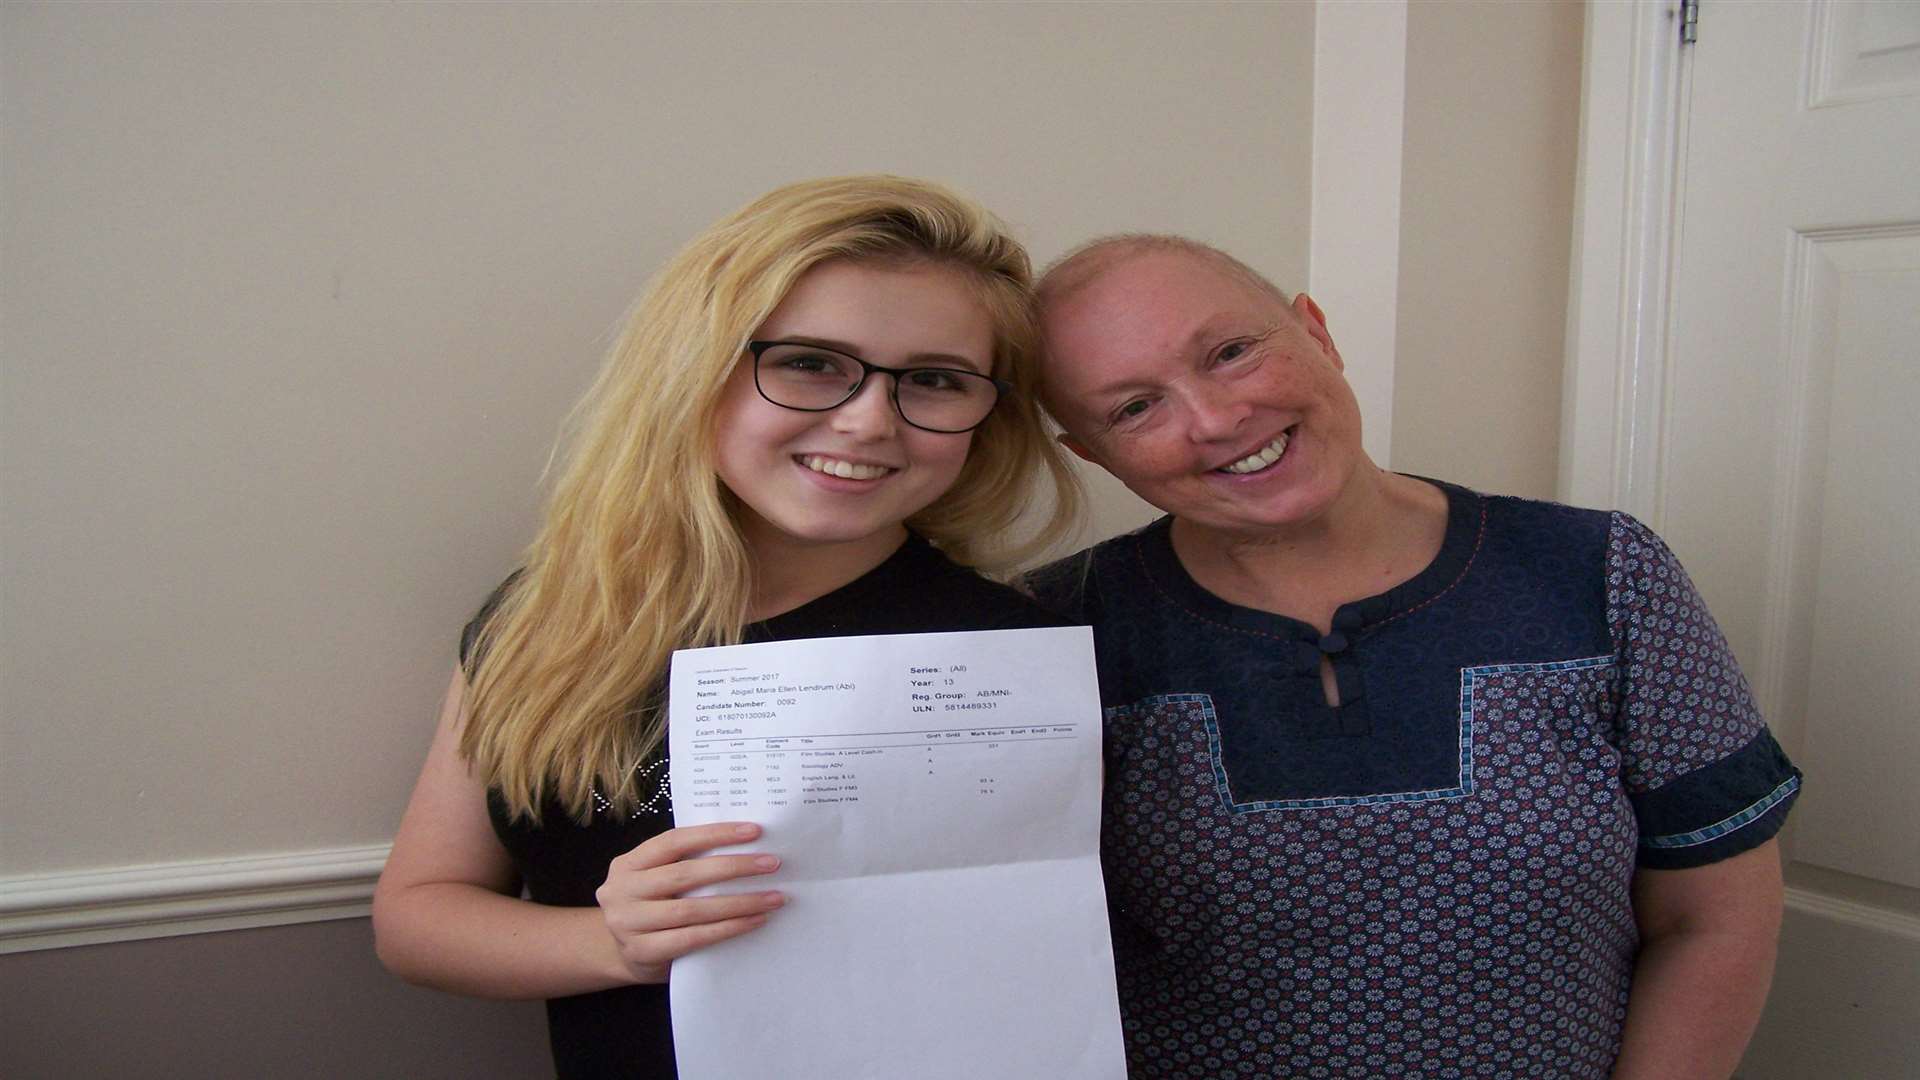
point(843, 469)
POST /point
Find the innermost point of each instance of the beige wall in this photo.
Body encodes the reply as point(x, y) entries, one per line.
point(292, 302)
point(295, 298)
point(1493, 107)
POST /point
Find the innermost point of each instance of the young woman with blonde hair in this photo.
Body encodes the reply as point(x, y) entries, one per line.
point(818, 415)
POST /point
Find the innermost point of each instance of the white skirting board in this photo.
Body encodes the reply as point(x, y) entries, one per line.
point(1880, 920)
point(91, 907)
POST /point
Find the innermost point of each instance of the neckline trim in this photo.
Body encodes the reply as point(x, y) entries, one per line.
point(1466, 529)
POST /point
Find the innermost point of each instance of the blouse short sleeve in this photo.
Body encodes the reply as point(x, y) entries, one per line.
point(1705, 777)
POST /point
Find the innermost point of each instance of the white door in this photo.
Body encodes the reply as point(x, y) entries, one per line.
point(1787, 474)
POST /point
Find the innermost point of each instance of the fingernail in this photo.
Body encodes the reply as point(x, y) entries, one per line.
point(745, 832)
point(766, 862)
point(775, 899)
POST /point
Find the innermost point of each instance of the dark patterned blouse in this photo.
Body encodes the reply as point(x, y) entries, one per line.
point(1432, 878)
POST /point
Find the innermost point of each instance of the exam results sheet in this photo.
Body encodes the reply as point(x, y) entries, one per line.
point(935, 799)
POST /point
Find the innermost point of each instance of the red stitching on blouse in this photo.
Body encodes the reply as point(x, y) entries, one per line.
point(1139, 552)
point(1478, 536)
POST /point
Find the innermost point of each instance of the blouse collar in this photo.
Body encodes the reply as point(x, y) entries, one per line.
point(1466, 520)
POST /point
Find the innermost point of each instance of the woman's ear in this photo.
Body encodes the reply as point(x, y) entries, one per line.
point(1315, 321)
point(1080, 449)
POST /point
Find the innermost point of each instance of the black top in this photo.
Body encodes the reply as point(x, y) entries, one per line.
point(626, 1032)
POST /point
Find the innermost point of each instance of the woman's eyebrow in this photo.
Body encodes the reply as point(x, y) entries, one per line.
point(1226, 326)
point(1118, 388)
point(1193, 347)
point(920, 358)
point(819, 343)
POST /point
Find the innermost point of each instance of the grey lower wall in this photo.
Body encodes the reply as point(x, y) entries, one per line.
point(286, 1003)
point(310, 1001)
point(1855, 1025)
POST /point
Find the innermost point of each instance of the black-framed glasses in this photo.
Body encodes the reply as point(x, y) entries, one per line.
point(811, 378)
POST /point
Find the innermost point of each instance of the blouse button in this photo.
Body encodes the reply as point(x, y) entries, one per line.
point(1306, 658)
point(1333, 643)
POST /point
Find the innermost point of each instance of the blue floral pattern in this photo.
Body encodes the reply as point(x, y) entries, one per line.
point(1441, 889)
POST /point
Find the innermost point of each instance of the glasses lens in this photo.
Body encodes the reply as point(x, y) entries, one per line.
point(804, 377)
point(809, 377)
point(945, 399)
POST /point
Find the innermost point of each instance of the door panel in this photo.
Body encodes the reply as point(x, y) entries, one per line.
point(1786, 474)
point(1862, 678)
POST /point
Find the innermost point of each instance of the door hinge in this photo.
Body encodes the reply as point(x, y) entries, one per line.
point(1689, 21)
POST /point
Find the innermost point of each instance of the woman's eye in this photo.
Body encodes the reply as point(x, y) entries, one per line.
point(1131, 409)
point(1232, 350)
point(933, 379)
point(809, 364)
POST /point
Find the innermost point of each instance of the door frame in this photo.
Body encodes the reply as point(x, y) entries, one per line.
point(1630, 180)
point(1353, 254)
point(1627, 186)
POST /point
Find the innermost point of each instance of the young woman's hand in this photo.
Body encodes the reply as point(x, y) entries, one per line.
point(641, 898)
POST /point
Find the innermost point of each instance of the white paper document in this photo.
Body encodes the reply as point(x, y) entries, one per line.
point(935, 799)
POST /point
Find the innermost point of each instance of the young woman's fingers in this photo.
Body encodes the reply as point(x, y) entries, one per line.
point(667, 882)
point(662, 882)
point(654, 949)
point(676, 845)
point(667, 915)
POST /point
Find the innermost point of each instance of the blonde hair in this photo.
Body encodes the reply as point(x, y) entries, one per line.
point(640, 553)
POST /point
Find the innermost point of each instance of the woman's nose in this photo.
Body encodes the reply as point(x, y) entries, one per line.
point(869, 414)
point(1216, 411)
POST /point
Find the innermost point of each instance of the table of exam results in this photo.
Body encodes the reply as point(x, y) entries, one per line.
point(934, 727)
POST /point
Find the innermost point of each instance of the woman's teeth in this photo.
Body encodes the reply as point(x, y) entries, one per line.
point(1261, 459)
point(846, 470)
